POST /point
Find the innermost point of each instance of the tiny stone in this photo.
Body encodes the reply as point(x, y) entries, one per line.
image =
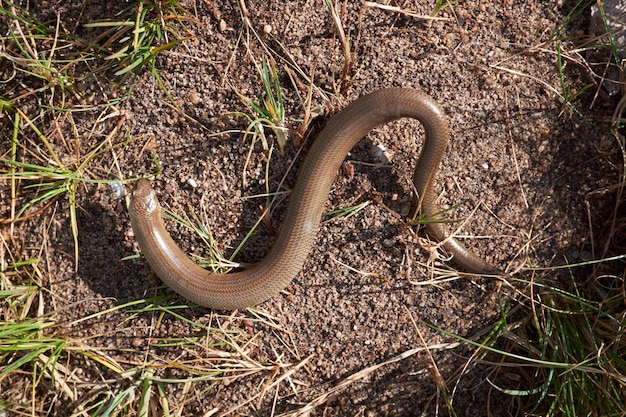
point(117, 188)
point(380, 152)
point(192, 183)
point(194, 97)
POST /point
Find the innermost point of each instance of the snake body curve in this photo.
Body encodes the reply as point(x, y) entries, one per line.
point(306, 205)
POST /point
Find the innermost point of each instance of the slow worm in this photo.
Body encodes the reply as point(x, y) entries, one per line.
point(306, 204)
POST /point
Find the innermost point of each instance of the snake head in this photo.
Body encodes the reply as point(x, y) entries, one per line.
point(144, 198)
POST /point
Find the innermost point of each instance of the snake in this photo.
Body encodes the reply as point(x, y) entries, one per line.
point(307, 199)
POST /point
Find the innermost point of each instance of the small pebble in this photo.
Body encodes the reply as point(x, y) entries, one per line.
point(117, 188)
point(380, 152)
point(194, 97)
point(192, 183)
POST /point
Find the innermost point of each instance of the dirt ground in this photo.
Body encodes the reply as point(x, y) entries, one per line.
point(520, 166)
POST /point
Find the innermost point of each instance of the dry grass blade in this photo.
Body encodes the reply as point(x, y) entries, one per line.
point(397, 9)
point(331, 393)
point(347, 53)
point(273, 385)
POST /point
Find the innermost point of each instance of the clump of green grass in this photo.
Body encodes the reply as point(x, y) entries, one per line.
point(45, 59)
point(48, 179)
point(35, 352)
point(42, 58)
point(38, 352)
point(145, 30)
point(269, 113)
point(567, 349)
point(578, 344)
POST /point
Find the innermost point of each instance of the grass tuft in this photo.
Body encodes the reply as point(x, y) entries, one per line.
point(566, 347)
point(145, 30)
point(269, 113)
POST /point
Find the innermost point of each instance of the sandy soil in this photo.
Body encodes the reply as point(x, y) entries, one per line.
point(518, 156)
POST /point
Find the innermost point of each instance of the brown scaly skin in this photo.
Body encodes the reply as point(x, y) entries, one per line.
point(306, 204)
